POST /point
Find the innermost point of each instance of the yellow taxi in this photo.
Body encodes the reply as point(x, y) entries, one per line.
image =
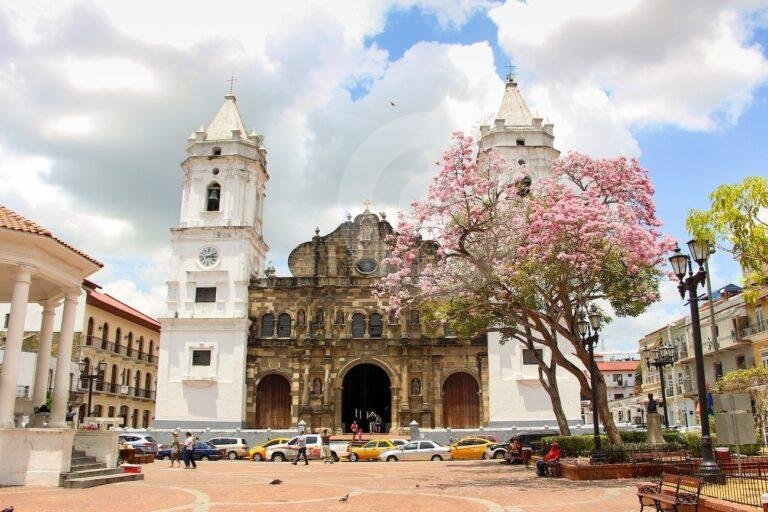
point(470, 448)
point(258, 452)
point(372, 449)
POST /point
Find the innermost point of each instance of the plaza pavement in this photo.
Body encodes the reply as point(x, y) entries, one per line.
point(234, 486)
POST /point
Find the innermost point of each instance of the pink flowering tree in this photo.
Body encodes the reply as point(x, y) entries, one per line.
point(499, 253)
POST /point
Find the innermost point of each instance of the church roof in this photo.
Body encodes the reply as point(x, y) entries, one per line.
point(513, 108)
point(227, 119)
point(15, 222)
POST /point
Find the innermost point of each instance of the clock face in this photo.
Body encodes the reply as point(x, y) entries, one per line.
point(208, 256)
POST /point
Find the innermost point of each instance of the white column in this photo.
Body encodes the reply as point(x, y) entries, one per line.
point(57, 418)
point(12, 357)
point(43, 362)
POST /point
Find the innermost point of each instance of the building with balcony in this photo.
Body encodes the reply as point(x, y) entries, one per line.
point(756, 326)
point(127, 341)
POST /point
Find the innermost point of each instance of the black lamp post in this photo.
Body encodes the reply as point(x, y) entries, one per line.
point(681, 264)
point(660, 357)
point(102, 366)
point(589, 337)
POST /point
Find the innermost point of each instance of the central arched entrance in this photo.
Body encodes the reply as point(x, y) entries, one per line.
point(273, 402)
point(366, 390)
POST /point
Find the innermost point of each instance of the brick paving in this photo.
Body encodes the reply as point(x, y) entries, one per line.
point(235, 486)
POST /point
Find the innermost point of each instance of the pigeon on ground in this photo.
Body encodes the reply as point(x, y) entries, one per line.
point(417, 485)
point(276, 481)
point(344, 498)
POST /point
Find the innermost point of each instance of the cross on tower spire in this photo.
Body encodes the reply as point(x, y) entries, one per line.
point(511, 71)
point(231, 81)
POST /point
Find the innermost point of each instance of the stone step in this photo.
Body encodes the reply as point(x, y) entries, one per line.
point(89, 472)
point(93, 481)
point(86, 465)
point(83, 460)
point(78, 453)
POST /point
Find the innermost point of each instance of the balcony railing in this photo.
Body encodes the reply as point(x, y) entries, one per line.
point(754, 329)
point(120, 389)
point(123, 350)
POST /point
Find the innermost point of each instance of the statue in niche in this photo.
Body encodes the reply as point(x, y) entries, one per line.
point(340, 317)
point(317, 386)
point(341, 268)
point(301, 318)
point(414, 317)
point(415, 387)
point(366, 230)
point(319, 318)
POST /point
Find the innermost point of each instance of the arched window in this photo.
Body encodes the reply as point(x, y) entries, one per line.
point(145, 419)
point(151, 352)
point(148, 385)
point(374, 325)
point(358, 325)
point(96, 411)
point(212, 197)
point(267, 325)
point(124, 415)
point(135, 418)
point(284, 326)
point(137, 383)
point(129, 346)
point(118, 335)
point(111, 411)
point(127, 378)
point(89, 332)
point(141, 348)
point(104, 335)
point(86, 371)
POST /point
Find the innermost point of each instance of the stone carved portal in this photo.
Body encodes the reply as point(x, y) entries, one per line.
point(366, 389)
point(273, 402)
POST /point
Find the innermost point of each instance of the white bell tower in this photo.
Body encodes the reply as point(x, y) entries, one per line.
point(215, 251)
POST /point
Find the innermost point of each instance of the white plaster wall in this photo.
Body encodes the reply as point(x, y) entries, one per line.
point(202, 400)
point(99, 444)
point(516, 395)
point(35, 456)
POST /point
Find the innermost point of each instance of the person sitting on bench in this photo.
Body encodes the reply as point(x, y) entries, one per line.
point(514, 451)
point(552, 455)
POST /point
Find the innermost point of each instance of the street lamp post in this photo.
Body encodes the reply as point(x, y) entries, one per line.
point(681, 264)
point(590, 337)
point(102, 366)
point(660, 357)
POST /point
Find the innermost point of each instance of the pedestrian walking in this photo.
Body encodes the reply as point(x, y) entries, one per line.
point(175, 449)
point(354, 428)
point(325, 444)
point(372, 422)
point(189, 451)
point(301, 444)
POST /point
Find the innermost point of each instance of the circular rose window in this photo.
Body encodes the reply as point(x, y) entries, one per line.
point(366, 265)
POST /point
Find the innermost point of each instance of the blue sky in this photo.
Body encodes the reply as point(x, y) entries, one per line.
point(100, 99)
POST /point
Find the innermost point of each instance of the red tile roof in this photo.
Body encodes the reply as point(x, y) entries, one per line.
point(114, 306)
point(617, 366)
point(13, 221)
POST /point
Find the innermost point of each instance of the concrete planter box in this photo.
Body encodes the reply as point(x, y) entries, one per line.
point(573, 470)
point(35, 456)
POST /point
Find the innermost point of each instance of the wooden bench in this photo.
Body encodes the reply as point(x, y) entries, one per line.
point(650, 457)
point(672, 492)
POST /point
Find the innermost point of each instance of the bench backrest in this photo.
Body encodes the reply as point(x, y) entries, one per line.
point(691, 484)
point(670, 481)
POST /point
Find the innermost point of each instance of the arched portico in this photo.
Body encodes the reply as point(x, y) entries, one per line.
point(364, 385)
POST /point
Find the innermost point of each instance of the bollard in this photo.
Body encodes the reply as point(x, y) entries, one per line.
point(414, 430)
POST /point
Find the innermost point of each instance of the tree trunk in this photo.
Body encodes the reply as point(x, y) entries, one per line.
point(605, 414)
point(557, 404)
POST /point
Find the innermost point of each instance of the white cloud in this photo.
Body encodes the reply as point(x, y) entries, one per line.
point(150, 302)
point(603, 68)
point(69, 126)
point(108, 73)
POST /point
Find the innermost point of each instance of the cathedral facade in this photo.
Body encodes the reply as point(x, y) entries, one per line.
point(243, 348)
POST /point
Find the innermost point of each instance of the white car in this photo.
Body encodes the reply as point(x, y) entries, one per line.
point(418, 450)
point(288, 451)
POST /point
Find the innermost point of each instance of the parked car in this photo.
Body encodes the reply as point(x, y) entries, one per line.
point(235, 447)
point(372, 449)
point(417, 450)
point(259, 452)
point(286, 451)
point(203, 451)
point(492, 439)
point(141, 442)
point(469, 448)
point(495, 451)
